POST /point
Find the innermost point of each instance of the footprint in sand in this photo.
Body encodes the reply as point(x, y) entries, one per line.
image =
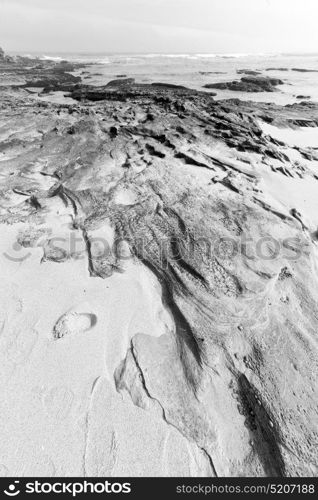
point(73, 322)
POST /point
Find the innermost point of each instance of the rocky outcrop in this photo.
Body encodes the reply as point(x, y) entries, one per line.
point(122, 82)
point(57, 80)
point(304, 70)
point(248, 84)
point(249, 72)
point(130, 89)
point(211, 72)
point(5, 58)
point(168, 85)
point(34, 72)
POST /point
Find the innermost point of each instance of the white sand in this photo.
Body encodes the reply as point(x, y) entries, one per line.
point(302, 137)
point(60, 411)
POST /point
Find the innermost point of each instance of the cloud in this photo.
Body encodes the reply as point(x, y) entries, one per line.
point(159, 25)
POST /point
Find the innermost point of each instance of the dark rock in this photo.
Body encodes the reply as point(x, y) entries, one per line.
point(248, 84)
point(168, 85)
point(63, 66)
point(163, 93)
point(54, 81)
point(113, 132)
point(248, 72)
point(212, 72)
point(302, 70)
point(97, 94)
point(277, 69)
point(121, 82)
point(264, 80)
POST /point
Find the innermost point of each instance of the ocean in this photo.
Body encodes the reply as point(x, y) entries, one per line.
point(195, 70)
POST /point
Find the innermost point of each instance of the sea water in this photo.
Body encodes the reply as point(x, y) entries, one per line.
point(196, 70)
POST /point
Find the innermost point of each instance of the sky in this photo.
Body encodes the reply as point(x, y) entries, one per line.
point(159, 26)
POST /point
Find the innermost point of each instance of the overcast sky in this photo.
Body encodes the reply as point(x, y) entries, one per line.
point(184, 26)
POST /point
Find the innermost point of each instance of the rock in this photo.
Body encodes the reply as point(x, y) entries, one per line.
point(248, 72)
point(263, 81)
point(212, 72)
point(168, 85)
point(248, 84)
point(277, 69)
point(302, 70)
point(121, 82)
point(98, 94)
point(58, 80)
point(162, 92)
point(63, 67)
point(4, 58)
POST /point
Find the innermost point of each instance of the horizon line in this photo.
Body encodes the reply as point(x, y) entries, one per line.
point(183, 53)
